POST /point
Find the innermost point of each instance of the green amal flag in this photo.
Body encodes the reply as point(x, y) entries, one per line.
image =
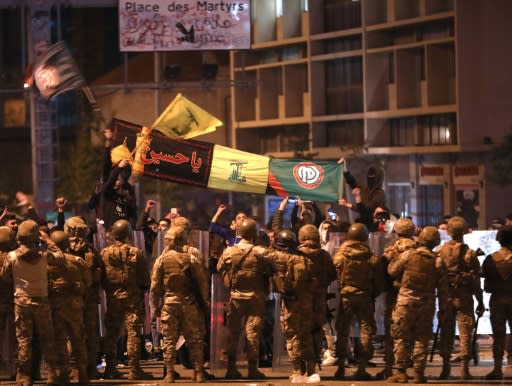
point(310, 180)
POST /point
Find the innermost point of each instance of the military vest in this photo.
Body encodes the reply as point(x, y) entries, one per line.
point(420, 272)
point(66, 279)
point(247, 273)
point(121, 270)
point(6, 293)
point(30, 278)
point(357, 272)
point(177, 278)
point(453, 254)
point(500, 280)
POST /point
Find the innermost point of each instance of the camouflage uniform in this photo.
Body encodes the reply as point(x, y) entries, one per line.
point(77, 230)
point(125, 280)
point(7, 243)
point(421, 272)
point(179, 295)
point(27, 271)
point(68, 283)
point(293, 280)
point(246, 271)
point(497, 271)
point(463, 270)
point(323, 274)
point(360, 279)
point(404, 228)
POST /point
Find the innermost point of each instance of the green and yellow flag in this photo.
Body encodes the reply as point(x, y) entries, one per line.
point(238, 171)
point(183, 119)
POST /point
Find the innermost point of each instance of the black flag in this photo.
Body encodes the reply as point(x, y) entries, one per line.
point(56, 72)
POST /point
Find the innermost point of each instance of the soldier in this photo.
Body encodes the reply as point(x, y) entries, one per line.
point(246, 271)
point(323, 273)
point(77, 230)
point(497, 272)
point(463, 270)
point(179, 296)
point(421, 272)
point(294, 281)
point(125, 279)
point(7, 243)
point(404, 228)
point(68, 284)
point(360, 279)
point(26, 271)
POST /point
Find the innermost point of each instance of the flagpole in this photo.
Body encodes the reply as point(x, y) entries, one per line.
point(92, 100)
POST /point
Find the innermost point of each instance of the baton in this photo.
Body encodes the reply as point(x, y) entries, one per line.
point(434, 344)
point(473, 343)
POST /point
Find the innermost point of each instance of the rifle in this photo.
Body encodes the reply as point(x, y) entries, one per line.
point(434, 343)
point(474, 351)
point(316, 350)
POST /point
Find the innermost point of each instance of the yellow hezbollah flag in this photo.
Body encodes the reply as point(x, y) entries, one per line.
point(184, 119)
point(238, 171)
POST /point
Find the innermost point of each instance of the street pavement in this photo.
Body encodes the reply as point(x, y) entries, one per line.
point(280, 375)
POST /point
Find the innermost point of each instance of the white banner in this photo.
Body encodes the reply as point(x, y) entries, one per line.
point(179, 25)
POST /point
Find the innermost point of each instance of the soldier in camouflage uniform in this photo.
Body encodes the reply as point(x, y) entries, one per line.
point(497, 272)
point(68, 284)
point(360, 279)
point(77, 230)
point(7, 243)
point(463, 270)
point(421, 272)
point(404, 228)
point(293, 280)
point(179, 296)
point(125, 280)
point(323, 274)
point(246, 271)
point(26, 271)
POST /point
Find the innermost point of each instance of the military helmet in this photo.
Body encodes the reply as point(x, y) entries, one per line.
point(121, 230)
point(61, 239)
point(286, 239)
point(76, 227)
point(182, 222)
point(248, 229)
point(176, 235)
point(404, 227)
point(309, 232)
point(504, 236)
point(6, 238)
point(457, 226)
point(429, 237)
point(357, 232)
point(28, 232)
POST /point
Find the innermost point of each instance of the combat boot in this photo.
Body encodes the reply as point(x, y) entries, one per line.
point(254, 373)
point(419, 377)
point(385, 373)
point(362, 375)
point(112, 373)
point(199, 375)
point(24, 380)
point(464, 370)
point(399, 377)
point(232, 372)
point(496, 373)
point(340, 372)
point(169, 373)
point(445, 372)
point(137, 373)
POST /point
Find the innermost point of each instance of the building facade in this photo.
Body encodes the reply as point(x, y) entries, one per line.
point(419, 87)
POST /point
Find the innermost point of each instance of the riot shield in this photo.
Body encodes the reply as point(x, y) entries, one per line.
point(218, 329)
